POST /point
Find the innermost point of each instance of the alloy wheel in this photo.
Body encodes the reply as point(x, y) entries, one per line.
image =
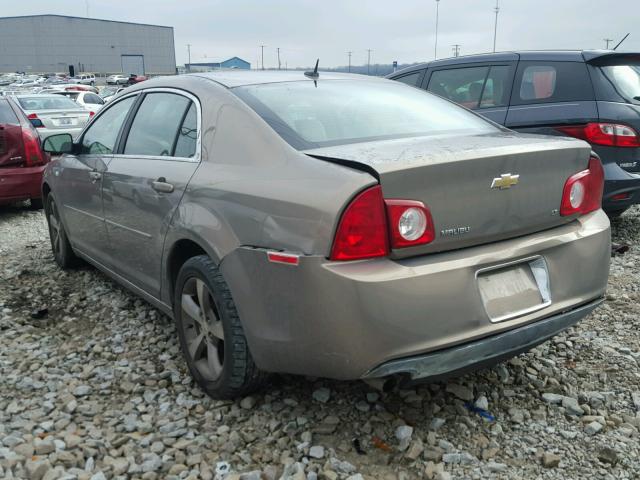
point(203, 331)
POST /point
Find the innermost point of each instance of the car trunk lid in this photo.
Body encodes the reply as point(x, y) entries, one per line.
point(62, 119)
point(479, 188)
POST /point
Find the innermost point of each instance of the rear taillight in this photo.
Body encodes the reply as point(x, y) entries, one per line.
point(370, 226)
point(33, 154)
point(609, 134)
point(35, 121)
point(362, 231)
point(91, 114)
point(410, 223)
point(582, 192)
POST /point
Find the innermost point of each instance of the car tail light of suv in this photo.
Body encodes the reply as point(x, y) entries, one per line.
point(582, 191)
point(608, 134)
point(370, 226)
point(33, 154)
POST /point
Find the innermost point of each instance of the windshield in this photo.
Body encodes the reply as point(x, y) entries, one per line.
point(625, 79)
point(337, 112)
point(57, 102)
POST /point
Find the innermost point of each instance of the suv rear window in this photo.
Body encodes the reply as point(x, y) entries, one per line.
point(549, 82)
point(623, 79)
point(7, 114)
point(337, 112)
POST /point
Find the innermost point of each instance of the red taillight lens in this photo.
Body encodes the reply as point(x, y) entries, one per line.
point(410, 223)
point(362, 231)
point(608, 134)
point(583, 191)
point(91, 114)
point(32, 151)
point(35, 121)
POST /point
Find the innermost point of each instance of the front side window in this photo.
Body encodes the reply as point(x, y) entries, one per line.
point(336, 112)
point(101, 136)
point(155, 127)
point(411, 79)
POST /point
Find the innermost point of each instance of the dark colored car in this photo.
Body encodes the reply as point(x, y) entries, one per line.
point(591, 95)
point(22, 159)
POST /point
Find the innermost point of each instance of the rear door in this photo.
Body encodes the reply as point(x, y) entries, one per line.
point(145, 182)
point(551, 93)
point(483, 87)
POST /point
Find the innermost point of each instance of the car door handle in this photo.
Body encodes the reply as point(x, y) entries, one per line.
point(162, 186)
point(95, 176)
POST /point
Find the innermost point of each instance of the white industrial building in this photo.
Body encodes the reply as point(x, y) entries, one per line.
point(53, 43)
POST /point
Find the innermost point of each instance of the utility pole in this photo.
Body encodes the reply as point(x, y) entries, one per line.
point(495, 26)
point(435, 48)
point(86, 4)
point(189, 56)
point(369, 60)
point(456, 49)
point(608, 41)
point(262, 54)
point(278, 58)
point(349, 53)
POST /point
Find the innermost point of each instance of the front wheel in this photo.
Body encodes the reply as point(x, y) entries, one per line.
point(60, 246)
point(210, 332)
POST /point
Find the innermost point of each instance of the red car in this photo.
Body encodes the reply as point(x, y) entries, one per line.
point(22, 159)
point(133, 79)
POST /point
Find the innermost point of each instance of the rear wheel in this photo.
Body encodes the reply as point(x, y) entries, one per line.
point(36, 204)
point(60, 246)
point(210, 332)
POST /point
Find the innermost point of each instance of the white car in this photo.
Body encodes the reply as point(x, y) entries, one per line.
point(107, 93)
point(88, 100)
point(53, 114)
point(84, 79)
point(118, 79)
point(25, 82)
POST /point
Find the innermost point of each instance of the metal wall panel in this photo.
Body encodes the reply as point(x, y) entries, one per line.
point(50, 43)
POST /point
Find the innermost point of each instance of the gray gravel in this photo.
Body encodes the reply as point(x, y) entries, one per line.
point(93, 386)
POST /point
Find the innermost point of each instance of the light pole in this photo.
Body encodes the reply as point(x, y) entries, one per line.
point(189, 56)
point(262, 54)
point(435, 48)
point(495, 26)
point(456, 49)
point(368, 60)
point(349, 53)
point(278, 58)
point(608, 41)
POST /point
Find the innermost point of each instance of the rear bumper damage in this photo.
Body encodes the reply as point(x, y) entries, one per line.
point(349, 320)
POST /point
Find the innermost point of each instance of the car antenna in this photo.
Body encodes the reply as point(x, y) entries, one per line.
point(620, 42)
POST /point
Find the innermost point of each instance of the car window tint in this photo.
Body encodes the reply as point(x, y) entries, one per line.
point(7, 114)
point(156, 125)
point(92, 98)
point(188, 134)
point(496, 88)
point(547, 82)
point(462, 85)
point(100, 137)
point(411, 79)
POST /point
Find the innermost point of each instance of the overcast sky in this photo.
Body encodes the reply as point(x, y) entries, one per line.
point(402, 30)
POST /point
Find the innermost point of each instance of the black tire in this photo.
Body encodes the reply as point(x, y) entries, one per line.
point(227, 370)
point(616, 213)
point(60, 246)
point(36, 204)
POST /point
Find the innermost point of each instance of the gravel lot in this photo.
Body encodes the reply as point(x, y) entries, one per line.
point(95, 387)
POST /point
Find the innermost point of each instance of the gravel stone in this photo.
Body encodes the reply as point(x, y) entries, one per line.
point(321, 395)
point(593, 428)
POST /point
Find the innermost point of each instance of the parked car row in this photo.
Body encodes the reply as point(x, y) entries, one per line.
point(334, 225)
point(590, 95)
point(121, 79)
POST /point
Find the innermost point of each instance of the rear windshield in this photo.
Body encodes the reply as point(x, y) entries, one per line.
point(337, 112)
point(625, 79)
point(58, 102)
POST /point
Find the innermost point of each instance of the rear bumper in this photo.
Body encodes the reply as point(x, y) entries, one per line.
point(485, 351)
point(18, 184)
point(344, 320)
point(619, 182)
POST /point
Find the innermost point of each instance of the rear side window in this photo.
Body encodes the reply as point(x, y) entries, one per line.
point(7, 114)
point(473, 87)
point(92, 98)
point(411, 79)
point(155, 127)
point(549, 82)
point(188, 135)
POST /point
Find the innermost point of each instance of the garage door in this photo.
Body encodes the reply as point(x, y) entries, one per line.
point(133, 64)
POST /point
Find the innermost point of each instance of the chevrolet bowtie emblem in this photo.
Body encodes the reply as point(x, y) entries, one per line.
point(506, 180)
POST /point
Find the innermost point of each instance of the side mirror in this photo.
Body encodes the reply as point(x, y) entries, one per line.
point(58, 144)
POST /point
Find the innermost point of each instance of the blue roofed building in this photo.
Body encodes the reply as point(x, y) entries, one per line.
point(233, 62)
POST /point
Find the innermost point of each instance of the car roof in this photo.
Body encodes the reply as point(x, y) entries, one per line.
point(237, 78)
point(527, 55)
